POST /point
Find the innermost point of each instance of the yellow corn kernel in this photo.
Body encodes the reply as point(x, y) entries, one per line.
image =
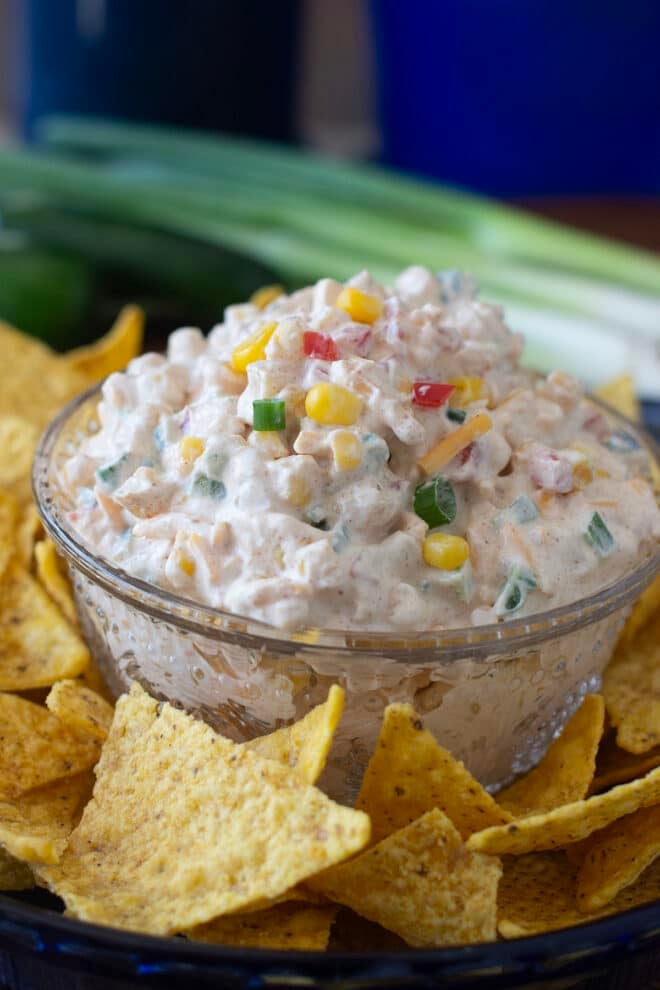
point(468, 389)
point(298, 493)
point(266, 295)
point(308, 636)
point(346, 450)
point(602, 473)
point(359, 306)
point(254, 348)
point(444, 551)
point(405, 385)
point(582, 474)
point(190, 449)
point(332, 404)
point(186, 563)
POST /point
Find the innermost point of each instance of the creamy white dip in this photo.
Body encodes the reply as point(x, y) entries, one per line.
point(314, 524)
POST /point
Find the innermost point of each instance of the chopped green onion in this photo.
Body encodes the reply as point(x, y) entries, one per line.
point(521, 510)
point(203, 485)
point(519, 581)
point(456, 415)
point(109, 474)
point(435, 501)
point(621, 442)
point(599, 536)
point(269, 415)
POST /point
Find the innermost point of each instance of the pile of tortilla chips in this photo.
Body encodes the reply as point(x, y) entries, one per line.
point(141, 817)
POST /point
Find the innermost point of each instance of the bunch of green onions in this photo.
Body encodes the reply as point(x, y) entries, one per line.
point(583, 302)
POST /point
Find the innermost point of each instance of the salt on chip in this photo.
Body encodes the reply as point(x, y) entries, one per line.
point(185, 826)
point(37, 645)
point(113, 352)
point(631, 688)
point(53, 580)
point(14, 875)
point(644, 609)
point(537, 894)
point(8, 519)
point(81, 708)
point(615, 857)
point(35, 826)
point(620, 393)
point(570, 823)
point(285, 926)
point(304, 746)
point(422, 884)
point(37, 748)
point(28, 531)
point(567, 769)
point(616, 766)
point(18, 442)
point(409, 774)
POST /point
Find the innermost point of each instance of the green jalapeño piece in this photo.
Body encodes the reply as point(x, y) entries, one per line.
point(435, 501)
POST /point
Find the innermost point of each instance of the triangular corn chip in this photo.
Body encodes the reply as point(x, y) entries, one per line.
point(53, 580)
point(35, 826)
point(537, 894)
point(422, 884)
point(36, 747)
point(18, 442)
point(185, 826)
point(285, 926)
point(409, 774)
point(620, 393)
point(8, 520)
point(28, 531)
point(304, 746)
point(644, 609)
point(14, 875)
point(570, 823)
point(631, 687)
point(567, 769)
point(615, 856)
point(111, 353)
point(81, 708)
point(616, 766)
point(37, 645)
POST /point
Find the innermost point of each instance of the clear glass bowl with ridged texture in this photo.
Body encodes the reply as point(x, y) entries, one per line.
point(494, 695)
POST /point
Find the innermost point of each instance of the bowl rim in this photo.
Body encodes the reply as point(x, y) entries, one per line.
point(411, 645)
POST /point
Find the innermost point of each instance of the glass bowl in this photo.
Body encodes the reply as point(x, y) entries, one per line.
point(494, 695)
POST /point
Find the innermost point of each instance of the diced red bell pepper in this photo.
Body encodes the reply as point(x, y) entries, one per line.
point(319, 345)
point(431, 394)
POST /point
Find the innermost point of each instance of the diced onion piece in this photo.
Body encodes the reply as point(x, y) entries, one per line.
point(268, 415)
point(319, 345)
point(454, 443)
point(431, 394)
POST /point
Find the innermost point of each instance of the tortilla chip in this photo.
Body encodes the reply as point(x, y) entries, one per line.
point(620, 394)
point(18, 442)
point(351, 933)
point(37, 644)
point(644, 609)
point(616, 766)
point(53, 580)
point(35, 826)
point(304, 746)
point(570, 823)
point(93, 679)
point(409, 774)
point(36, 747)
point(616, 856)
point(286, 926)
point(28, 531)
point(34, 381)
point(81, 708)
point(537, 894)
point(567, 769)
point(631, 688)
point(200, 825)
point(422, 884)
point(111, 353)
point(8, 520)
point(14, 875)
